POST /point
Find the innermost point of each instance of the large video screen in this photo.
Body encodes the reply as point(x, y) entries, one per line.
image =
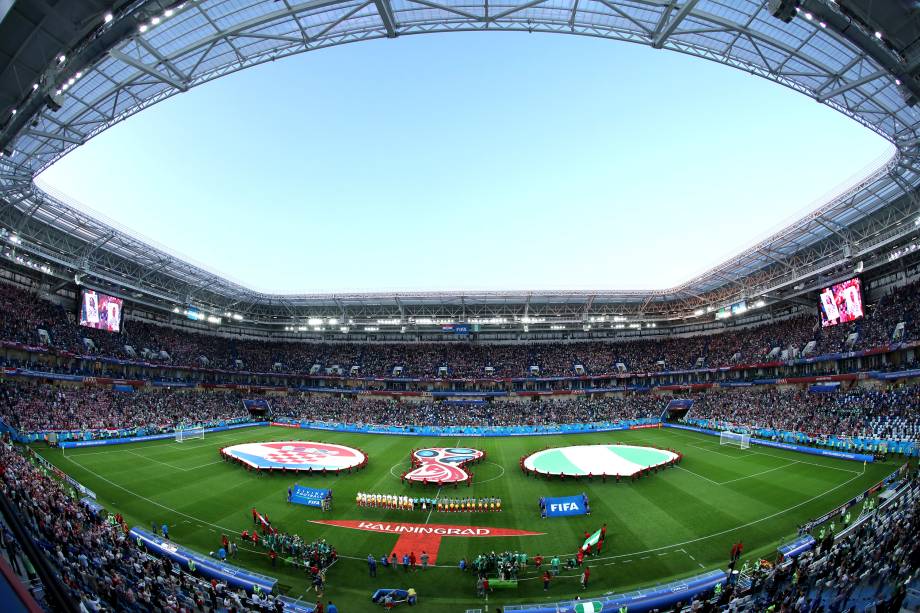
point(841, 303)
point(100, 311)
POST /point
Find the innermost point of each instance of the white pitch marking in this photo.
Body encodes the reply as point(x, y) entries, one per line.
point(697, 474)
point(763, 472)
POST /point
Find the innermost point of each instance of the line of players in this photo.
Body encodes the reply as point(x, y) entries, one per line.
point(442, 505)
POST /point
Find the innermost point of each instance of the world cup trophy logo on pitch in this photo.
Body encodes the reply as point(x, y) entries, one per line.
point(442, 464)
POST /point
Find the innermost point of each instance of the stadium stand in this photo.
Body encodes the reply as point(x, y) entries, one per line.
point(23, 315)
point(893, 414)
point(102, 568)
point(868, 569)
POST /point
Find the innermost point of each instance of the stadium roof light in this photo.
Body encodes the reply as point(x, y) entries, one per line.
point(333, 321)
point(155, 21)
point(698, 312)
point(878, 35)
point(62, 58)
point(108, 18)
point(143, 28)
point(34, 86)
point(314, 321)
point(168, 13)
point(371, 329)
point(344, 329)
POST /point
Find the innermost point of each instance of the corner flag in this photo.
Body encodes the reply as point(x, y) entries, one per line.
point(591, 541)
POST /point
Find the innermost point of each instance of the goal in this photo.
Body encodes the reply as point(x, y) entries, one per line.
point(735, 438)
point(184, 433)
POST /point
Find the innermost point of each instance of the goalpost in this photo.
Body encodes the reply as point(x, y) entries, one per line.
point(728, 437)
point(184, 433)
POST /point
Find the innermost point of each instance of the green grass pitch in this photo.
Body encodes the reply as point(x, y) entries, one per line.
point(675, 523)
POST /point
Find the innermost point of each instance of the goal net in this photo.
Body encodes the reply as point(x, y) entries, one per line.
point(184, 433)
point(735, 438)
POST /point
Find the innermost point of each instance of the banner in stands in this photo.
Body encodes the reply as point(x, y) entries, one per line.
point(824, 388)
point(829, 453)
point(257, 404)
point(209, 567)
point(309, 496)
point(562, 506)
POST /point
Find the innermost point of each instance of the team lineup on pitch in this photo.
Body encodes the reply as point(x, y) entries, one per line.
point(725, 494)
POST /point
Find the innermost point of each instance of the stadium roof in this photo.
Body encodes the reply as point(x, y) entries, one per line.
point(95, 67)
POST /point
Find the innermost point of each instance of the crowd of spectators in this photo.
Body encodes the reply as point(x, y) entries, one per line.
point(888, 413)
point(892, 414)
point(46, 407)
point(22, 314)
point(98, 562)
point(868, 570)
point(410, 413)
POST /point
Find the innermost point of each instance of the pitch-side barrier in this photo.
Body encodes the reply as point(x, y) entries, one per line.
point(206, 566)
point(661, 597)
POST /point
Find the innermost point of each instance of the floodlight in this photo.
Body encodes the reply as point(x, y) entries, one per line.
point(108, 17)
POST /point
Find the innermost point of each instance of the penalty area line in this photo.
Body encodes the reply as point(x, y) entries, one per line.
point(687, 470)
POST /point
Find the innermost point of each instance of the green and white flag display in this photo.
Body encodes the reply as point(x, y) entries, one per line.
point(591, 541)
point(588, 607)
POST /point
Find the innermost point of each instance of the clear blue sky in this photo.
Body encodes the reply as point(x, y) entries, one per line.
point(469, 161)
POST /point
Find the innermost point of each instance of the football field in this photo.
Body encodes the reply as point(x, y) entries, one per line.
point(678, 522)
